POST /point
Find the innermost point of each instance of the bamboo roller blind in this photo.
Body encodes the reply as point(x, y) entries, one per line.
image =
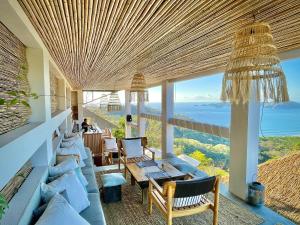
point(101, 44)
point(13, 77)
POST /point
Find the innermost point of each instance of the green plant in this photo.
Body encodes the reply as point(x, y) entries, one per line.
point(119, 132)
point(3, 205)
point(17, 98)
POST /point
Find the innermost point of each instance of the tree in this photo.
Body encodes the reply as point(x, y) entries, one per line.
point(153, 133)
point(119, 132)
point(199, 156)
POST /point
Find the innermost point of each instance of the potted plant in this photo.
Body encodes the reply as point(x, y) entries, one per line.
point(3, 205)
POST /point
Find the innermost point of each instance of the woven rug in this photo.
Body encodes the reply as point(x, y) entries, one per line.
point(130, 211)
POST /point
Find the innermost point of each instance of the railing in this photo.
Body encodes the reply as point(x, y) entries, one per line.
point(197, 126)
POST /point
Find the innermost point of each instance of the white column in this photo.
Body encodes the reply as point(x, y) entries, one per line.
point(244, 138)
point(141, 122)
point(39, 80)
point(127, 112)
point(167, 133)
point(38, 77)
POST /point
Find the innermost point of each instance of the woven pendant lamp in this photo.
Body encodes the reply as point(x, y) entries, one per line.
point(138, 88)
point(254, 61)
point(114, 104)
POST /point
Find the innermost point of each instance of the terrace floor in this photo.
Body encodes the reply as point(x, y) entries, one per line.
point(270, 217)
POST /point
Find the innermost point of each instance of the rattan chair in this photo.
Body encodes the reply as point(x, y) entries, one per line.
point(184, 197)
point(123, 157)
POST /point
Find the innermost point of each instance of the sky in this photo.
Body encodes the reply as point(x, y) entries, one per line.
point(208, 88)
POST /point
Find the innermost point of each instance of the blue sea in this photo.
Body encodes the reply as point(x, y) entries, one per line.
point(277, 120)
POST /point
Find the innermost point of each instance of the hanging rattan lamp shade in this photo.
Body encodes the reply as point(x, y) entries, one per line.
point(138, 88)
point(114, 104)
point(254, 62)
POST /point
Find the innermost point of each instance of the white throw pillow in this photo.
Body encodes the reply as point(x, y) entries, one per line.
point(110, 143)
point(59, 211)
point(50, 189)
point(63, 167)
point(69, 182)
point(133, 147)
point(71, 151)
point(78, 142)
point(71, 135)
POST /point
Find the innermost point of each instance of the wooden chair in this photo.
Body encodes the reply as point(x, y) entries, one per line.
point(123, 157)
point(184, 197)
point(108, 151)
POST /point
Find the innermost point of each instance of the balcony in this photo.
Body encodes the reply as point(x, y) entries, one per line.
point(62, 61)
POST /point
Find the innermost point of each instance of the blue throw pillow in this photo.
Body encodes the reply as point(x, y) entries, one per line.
point(185, 167)
point(112, 179)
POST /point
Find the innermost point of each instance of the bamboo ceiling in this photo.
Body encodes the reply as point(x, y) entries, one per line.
point(101, 44)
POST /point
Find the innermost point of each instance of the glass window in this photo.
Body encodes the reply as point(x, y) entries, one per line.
point(212, 152)
point(153, 106)
point(199, 100)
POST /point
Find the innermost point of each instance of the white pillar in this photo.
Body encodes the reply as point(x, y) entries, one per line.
point(38, 77)
point(39, 80)
point(141, 122)
point(244, 138)
point(167, 133)
point(127, 112)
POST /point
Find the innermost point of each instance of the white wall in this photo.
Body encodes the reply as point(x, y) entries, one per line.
point(34, 140)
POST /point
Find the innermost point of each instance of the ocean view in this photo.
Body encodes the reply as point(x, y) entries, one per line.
point(277, 120)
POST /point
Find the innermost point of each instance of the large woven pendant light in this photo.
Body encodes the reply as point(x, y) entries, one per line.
point(114, 104)
point(254, 62)
point(138, 88)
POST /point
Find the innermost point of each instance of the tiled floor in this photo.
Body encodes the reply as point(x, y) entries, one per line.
point(270, 217)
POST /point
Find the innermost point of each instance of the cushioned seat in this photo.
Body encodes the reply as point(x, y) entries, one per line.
point(94, 213)
point(87, 170)
point(88, 162)
point(89, 153)
point(92, 186)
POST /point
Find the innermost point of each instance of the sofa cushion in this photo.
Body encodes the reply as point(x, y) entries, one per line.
point(88, 162)
point(92, 186)
point(76, 193)
point(59, 211)
point(63, 167)
point(94, 214)
point(78, 142)
point(133, 147)
point(87, 170)
point(71, 151)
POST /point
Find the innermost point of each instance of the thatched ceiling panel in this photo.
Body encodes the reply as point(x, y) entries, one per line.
point(100, 44)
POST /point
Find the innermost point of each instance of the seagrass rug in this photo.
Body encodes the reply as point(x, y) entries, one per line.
point(131, 211)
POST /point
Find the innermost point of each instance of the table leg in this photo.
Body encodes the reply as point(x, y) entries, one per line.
point(132, 179)
point(144, 195)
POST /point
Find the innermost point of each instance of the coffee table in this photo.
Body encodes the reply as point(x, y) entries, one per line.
point(140, 175)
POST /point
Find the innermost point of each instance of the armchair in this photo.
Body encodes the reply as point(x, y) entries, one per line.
point(132, 150)
point(109, 147)
point(184, 197)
